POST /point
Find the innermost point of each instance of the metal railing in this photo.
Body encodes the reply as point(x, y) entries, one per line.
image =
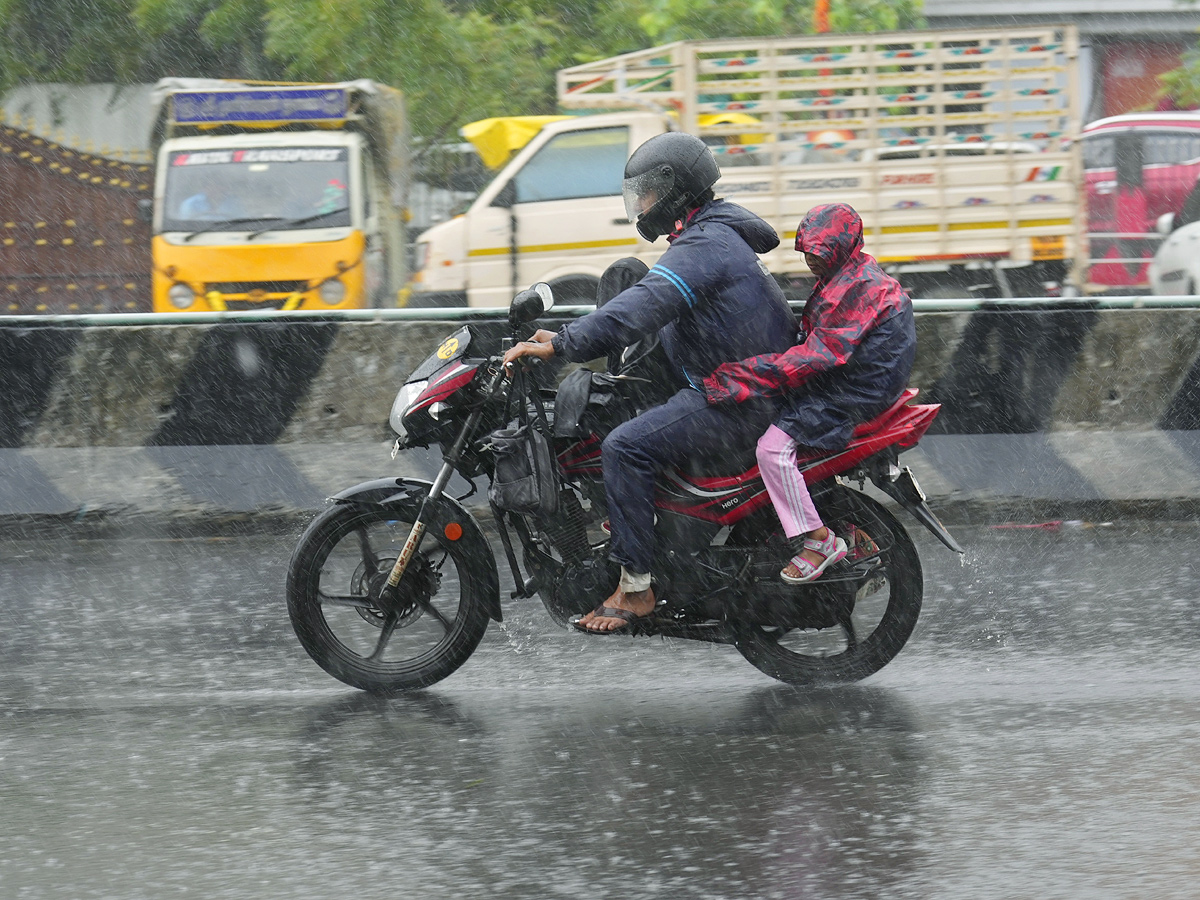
point(486, 314)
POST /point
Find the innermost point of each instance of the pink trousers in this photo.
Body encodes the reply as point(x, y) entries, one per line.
point(785, 484)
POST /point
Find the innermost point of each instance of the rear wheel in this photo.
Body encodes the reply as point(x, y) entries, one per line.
point(864, 621)
point(357, 633)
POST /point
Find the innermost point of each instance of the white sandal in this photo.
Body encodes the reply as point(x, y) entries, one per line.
point(832, 550)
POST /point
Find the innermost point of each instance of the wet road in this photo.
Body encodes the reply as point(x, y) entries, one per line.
point(163, 734)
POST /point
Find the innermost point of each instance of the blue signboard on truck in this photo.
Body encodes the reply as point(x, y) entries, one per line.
point(272, 105)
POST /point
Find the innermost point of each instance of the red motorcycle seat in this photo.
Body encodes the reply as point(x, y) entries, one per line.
point(881, 420)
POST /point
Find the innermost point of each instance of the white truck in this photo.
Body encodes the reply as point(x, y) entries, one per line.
point(956, 147)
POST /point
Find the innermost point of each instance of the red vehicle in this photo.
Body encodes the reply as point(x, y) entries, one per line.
point(1136, 167)
point(392, 586)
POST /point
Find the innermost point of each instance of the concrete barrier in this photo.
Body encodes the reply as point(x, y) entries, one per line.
point(239, 416)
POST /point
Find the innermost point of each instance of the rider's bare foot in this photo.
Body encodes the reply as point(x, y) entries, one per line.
point(640, 603)
point(810, 556)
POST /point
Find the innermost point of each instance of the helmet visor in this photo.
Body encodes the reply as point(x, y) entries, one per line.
point(643, 191)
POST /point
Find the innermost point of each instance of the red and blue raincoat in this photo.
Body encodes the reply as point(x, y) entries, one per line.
point(855, 349)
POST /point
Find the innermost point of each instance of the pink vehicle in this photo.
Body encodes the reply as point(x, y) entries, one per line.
point(1136, 167)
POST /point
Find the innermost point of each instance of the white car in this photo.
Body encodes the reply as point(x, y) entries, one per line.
point(1175, 268)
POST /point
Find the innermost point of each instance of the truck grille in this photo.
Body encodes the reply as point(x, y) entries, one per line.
point(267, 287)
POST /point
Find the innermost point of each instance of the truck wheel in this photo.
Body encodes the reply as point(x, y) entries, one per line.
point(943, 292)
point(575, 290)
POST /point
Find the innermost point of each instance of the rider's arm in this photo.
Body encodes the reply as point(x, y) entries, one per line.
point(631, 315)
point(830, 343)
point(675, 283)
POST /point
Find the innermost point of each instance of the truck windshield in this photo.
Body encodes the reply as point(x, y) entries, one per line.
point(251, 188)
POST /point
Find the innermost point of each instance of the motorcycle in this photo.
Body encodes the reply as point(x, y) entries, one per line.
point(392, 586)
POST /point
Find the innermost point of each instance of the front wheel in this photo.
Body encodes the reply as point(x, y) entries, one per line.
point(868, 620)
point(366, 638)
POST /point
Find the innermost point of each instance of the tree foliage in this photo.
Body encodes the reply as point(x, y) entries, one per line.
point(457, 60)
point(1182, 85)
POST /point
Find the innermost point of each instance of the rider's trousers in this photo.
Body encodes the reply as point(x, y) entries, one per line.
point(785, 483)
point(636, 451)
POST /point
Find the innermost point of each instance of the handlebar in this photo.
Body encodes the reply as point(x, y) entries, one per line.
point(526, 364)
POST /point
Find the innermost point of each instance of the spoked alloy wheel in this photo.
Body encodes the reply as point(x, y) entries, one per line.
point(361, 635)
point(869, 618)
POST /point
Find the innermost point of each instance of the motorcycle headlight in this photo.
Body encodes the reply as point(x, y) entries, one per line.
point(332, 291)
point(407, 397)
point(181, 296)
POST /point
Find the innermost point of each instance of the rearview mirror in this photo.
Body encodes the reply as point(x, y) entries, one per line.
point(547, 295)
point(531, 303)
point(1165, 224)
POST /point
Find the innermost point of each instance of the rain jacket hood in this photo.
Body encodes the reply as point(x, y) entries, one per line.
point(833, 232)
point(760, 236)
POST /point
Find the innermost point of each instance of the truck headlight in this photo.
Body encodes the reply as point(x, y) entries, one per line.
point(181, 296)
point(332, 291)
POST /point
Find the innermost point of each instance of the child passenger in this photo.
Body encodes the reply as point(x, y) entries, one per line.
point(852, 360)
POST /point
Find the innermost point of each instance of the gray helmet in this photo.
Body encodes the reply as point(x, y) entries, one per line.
point(664, 178)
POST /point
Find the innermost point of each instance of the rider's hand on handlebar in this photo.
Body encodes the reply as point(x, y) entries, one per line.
point(538, 347)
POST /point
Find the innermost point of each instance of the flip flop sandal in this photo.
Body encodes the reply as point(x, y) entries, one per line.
point(832, 550)
point(634, 624)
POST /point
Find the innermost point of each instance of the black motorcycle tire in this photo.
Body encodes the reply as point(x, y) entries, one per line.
point(462, 634)
point(763, 649)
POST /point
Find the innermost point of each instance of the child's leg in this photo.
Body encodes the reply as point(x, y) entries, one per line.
point(789, 494)
point(785, 485)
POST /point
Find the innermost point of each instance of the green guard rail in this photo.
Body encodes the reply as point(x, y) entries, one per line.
point(484, 314)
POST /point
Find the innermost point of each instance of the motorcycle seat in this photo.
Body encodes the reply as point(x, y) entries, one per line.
point(881, 421)
point(738, 461)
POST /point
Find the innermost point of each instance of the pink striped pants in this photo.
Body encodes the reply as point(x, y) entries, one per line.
point(785, 484)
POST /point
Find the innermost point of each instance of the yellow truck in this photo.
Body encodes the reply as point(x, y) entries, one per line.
point(278, 196)
point(957, 148)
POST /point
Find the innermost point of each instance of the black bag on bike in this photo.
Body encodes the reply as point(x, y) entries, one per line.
point(526, 474)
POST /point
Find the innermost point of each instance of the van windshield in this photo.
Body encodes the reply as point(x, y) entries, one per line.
point(280, 187)
point(1160, 148)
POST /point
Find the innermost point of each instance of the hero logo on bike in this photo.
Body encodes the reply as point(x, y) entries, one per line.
point(448, 349)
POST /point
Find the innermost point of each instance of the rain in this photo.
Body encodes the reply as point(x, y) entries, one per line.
point(294, 555)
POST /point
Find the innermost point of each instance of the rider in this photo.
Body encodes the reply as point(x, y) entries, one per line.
point(856, 350)
point(710, 301)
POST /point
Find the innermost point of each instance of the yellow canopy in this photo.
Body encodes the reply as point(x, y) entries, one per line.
point(498, 138)
point(734, 118)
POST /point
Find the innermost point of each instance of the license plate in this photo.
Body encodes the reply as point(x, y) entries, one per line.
point(1053, 247)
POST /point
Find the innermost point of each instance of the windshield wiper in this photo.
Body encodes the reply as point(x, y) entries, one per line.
point(296, 223)
point(225, 223)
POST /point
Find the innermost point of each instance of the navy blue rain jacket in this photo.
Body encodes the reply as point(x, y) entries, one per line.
point(708, 297)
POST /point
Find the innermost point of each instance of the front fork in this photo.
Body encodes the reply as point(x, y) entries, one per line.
point(449, 462)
